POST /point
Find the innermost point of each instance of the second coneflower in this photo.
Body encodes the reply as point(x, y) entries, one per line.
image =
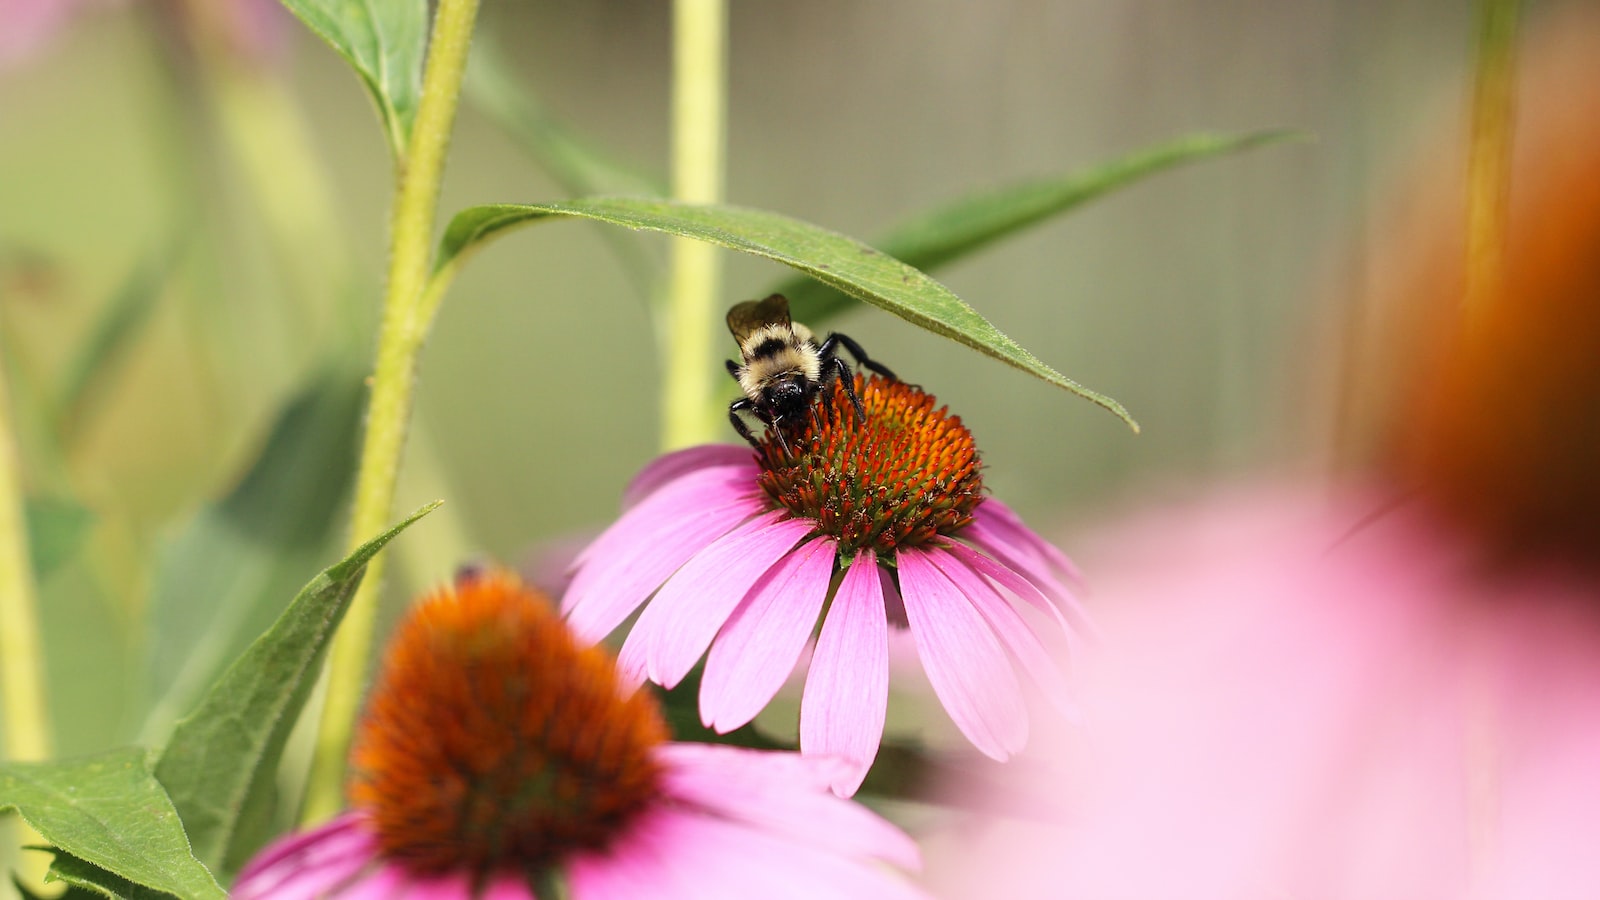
point(499, 760)
point(886, 514)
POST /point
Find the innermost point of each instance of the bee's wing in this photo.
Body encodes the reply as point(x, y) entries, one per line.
point(750, 315)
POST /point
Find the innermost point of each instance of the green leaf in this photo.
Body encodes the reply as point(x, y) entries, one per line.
point(574, 163)
point(109, 811)
point(93, 367)
point(87, 881)
point(56, 529)
point(384, 41)
point(221, 580)
point(950, 232)
point(225, 754)
point(841, 262)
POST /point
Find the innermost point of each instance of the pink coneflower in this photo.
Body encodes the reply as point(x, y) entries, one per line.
point(499, 759)
point(742, 553)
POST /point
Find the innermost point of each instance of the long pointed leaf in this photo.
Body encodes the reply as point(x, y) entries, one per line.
point(109, 811)
point(838, 261)
point(950, 232)
point(225, 753)
point(384, 41)
point(222, 579)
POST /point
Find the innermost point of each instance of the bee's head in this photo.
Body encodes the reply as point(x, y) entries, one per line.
point(786, 394)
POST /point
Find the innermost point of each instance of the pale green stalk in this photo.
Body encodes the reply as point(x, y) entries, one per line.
point(1489, 156)
point(400, 336)
point(27, 718)
point(699, 101)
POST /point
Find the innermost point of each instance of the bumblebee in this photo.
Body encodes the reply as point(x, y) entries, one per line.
point(784, 368)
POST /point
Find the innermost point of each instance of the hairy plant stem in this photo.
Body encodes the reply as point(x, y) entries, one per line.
point(699, 102)
point(406, 317)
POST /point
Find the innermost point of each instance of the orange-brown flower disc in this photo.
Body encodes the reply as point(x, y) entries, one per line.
point(906, 474)
point(1505, 437)
point(492, 741)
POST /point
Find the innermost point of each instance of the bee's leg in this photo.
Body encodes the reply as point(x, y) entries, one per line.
point(733, 368)
point(830, 347)
point(842, 373)
point(736, 407)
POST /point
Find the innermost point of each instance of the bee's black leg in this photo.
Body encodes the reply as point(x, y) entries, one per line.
point(733, 369)
point(836, 340)
point(736, 407)
point(843, 374)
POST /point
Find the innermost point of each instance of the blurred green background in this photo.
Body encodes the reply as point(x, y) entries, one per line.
point(1195, 298)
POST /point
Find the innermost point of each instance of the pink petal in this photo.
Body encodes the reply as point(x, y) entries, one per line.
point(1013, 631)
point(667, 468)
point(677, 626)
point(637, 864)
point(508, 887)
point(1005, 520)
point(785, 794)
point(641, 550)
point(1012, 582)
point(706, 487)
point(388, 883)
point(311, 863)
point(965, 664)
point(1033, 568)
point(730, 860)
point(847, 689)
point(757, 649)
point(444, 887)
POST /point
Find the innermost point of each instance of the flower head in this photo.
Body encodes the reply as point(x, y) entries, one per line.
point(498, 755)
point(884, 514)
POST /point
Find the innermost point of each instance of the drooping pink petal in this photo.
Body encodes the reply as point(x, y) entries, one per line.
point(311, 863)
point(731, 860)
point(705, 487)
point(1014, 633)
point(663, 470)
point(1032, 567)
point(1004, 519)
point(643, 548)
point(637, 864)
point(679, 623)
point(757, 649)
point(966, 666)
point(1018, 586)
point(785, 794)
point(846, 695)
point(390, 882)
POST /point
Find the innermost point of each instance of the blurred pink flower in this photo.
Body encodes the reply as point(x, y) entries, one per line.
point(25, 25)
point(497, 758)
point(736, 551)
point(1297, 702)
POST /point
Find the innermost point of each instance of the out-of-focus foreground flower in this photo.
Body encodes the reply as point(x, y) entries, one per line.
point(1385, 689)
point(499, 759)
point(744, 549)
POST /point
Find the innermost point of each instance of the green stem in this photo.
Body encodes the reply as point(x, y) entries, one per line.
point(699, 100)
point(27, 723)
point(1489, 156)
point(400, 337)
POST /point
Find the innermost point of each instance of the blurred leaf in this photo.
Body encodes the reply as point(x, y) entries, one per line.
point(576, 165)
point(573, 163)
point(222, 580)
point(87, 881)
point(385, 41)
point(225, 753)
point(839, 261)
point(56, 529)
point(950, 232)
point(109, 811)
point(91, 369)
